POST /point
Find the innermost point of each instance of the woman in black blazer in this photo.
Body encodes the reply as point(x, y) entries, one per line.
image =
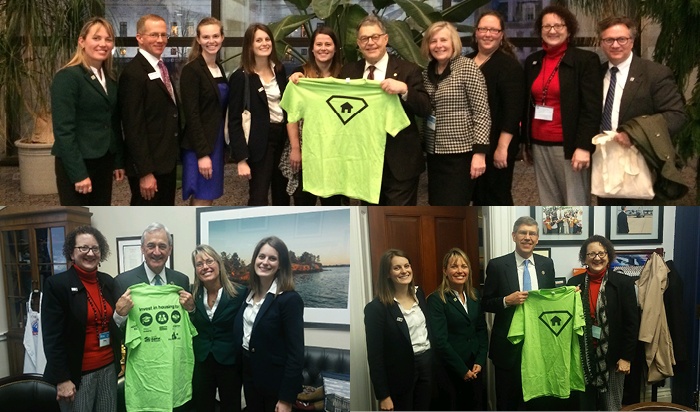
point(217, 301)
point(612, 325)
point(564, 89)
point(258, 157)
point(88, 143)
point(398, 340)
point(269, 330)
point(204, 93)
point(505, 84)
point(81, 340)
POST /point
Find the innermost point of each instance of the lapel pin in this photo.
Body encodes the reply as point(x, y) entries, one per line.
point(399, 319)
point(395, 74)
point(92, 77)
point(260, 89)
point(73, 289)
point(534, 63)
point(542, 272)
point(454, 299)
point(631, 79)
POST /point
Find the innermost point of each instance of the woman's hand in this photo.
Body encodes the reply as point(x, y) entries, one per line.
point(65, 391)
point(124, 304)
point(500, 157)
point(623, 366)
point(283, 406)
point(386, 404)
point(294, 77)
point(581, 160)
point(244, 169)
point(205, 168)
point(478, 165)
point(295, 159)
point(84, 186)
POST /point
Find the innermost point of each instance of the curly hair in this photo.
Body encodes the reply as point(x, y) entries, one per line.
point(605, 242)
point(564, 14)
point(69, 245)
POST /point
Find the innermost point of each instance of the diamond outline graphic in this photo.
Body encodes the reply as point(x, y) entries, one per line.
point(541, 318)
point(346, 121)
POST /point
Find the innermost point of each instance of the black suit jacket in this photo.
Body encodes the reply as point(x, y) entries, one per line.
point(389, 347)
point(651, 89)
point(276, 345)
point(138, 275)
point(150, 120)
point(255, 149)
point(201, 107)
point(403, 153)
point(581, 91)
point(622, 223)
point(216, 336)
point(63, 320)
point(623, 315)
point(502, 280)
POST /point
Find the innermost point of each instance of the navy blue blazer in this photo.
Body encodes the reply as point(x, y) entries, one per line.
point(502, 280)
point(276, 345)
point(389, 347)
point(255, 149)
point(216, 336)
point(63, 320)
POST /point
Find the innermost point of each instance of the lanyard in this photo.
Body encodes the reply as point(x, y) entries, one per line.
point(545, 88)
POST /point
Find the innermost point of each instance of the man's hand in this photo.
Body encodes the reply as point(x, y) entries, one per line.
point(119, 174)
point(148, 186)
point(186, 300)
point(393, 86)
point(623, 139)
point(386, 404)
point(124, 304)
point(516, 298)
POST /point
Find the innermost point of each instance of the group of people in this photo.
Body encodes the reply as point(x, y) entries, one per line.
point(250, 337)
point(477, 110)
point(430, 353)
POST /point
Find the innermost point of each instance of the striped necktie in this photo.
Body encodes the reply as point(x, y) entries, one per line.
point(606, 120)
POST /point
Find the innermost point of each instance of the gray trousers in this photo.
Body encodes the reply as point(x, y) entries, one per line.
point(97, 392)
point(557, 182)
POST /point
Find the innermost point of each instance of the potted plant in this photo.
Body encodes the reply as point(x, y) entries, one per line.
point(36, 39)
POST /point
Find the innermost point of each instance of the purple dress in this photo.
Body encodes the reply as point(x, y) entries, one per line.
point(193, 183)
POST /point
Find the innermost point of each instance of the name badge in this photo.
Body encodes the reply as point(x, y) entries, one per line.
point(544, 113)
point(154, 75)
point(596, 331)
point(430, 122)
point(104, 339)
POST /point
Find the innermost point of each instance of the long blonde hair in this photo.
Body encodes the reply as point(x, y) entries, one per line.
point(80, 58)
point(444, 287)
point(226, 283)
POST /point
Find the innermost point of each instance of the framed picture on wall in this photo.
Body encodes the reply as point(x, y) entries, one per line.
point(129, 253)
point(563, 225)
point(630, 225)
point(318, 239)
point(543, 251)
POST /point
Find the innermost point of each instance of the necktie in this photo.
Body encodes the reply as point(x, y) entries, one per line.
point(158, 281)
point(527, 284)
point(166, 78)
point(606, 121)
point(370, 75)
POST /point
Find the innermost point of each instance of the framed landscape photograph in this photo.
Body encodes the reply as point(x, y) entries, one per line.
point(630, 225)
point(318, 239)
point(563, 225)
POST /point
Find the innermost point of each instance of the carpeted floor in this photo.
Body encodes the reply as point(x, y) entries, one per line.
point(236, 190)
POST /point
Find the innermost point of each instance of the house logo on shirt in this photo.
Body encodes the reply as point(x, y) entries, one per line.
point(346, 107)
point(556, 320)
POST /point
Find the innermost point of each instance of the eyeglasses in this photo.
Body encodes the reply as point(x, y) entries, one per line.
point(85, 249)
point(592, 255)
point(524, 233)
point(156, 36)
point(365, 39)
point(620, 40)
point(483, 30)
point(162, 246)
point(208, 262)
point(557, 27)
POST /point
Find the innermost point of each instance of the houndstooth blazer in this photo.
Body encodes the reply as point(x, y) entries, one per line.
point(461, 108)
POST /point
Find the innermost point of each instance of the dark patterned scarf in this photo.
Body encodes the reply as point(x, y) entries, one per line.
point(594, 358)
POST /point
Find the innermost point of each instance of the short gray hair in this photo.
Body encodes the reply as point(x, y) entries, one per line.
point(524, 220)
point(156, 227)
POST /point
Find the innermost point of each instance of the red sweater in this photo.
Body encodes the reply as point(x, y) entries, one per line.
point(594, 282)
point(544, 131)
point(94, 356)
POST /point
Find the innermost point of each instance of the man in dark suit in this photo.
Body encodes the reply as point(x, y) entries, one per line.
point(623, 226)
point(508, 278)
point(403, 155)
point(642, 87)
point(150, 118)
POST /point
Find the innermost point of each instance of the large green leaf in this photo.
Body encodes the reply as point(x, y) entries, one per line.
point(283, 28)
point(422, 13)
point(380, 4)
point(324, 8)
point(352, 15)
point(460, 11)
point(301, 4)
point(401, 39)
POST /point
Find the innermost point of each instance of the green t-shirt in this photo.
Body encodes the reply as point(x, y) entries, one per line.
point(548, 324)
point(345, 128)
point(160, 358)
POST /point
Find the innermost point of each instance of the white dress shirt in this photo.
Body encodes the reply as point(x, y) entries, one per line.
point(417, 327)
point(205, 299)
point(379, 68)
point(251, 312)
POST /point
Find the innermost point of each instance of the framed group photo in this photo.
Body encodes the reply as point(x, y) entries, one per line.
point(630, 225)
point(563, 225)
point(318, 239)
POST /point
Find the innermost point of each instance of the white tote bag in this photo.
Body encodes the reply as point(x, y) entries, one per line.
point(618, 171)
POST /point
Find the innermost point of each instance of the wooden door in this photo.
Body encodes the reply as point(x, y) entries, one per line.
point(425, 234)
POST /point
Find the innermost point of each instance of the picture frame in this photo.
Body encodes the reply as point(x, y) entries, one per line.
point(543, 251)
point(129, 253)
point(645, 225)
point(322, 232)
point(563, 225)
